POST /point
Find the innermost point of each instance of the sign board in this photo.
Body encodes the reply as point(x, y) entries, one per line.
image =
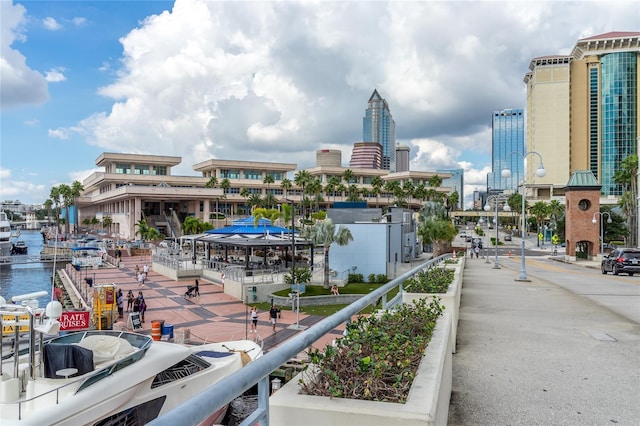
point(74, 320)
point(9, 323)
point(134, 321)
point(300, 288)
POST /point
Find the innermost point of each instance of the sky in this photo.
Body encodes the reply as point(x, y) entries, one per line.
point(267, 81)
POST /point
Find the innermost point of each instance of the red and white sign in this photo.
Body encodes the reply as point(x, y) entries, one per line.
point(74, 320)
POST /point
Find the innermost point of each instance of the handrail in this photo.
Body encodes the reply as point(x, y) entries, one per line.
point(198, 408)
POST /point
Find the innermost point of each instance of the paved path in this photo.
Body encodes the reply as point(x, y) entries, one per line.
point(535, 353)
point(212, 316)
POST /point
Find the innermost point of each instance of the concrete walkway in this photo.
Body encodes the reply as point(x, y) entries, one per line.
point(535, 353)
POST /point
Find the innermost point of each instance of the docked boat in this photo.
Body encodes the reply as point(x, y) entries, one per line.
point(19, 247)
point(107, 377)
point(5, 234)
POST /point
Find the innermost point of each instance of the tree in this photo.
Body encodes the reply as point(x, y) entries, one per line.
point(377, 184)
point(556, 211)
point(454, 198)
point(286, 186)
point(302, 179)
point(434, 227)
point(268, 180)
point(107, 221)
point(67, 201)
point(142, 228)
point(55, 195)
point(76, 191)
point(626, 177)
point(47, 205)
point(324, 233)
point(212, 183)
point(254, 201)
point(392, 187)
point(244, 193)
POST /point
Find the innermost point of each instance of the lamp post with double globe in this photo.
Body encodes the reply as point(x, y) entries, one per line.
point(595, 220)
point(487, 208)
point(506, 173)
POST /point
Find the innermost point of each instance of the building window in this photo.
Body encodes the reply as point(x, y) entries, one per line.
point(122, 169)
point(230, 174)
point(159, 170)
point(253, 174)
point(141, 170)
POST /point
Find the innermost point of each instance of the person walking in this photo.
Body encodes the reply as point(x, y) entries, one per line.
point(120, 302)
point(196, 289)
point(141, 280)
point(273, 314)
point(143, 307)
point(130, 299)
point(254, 320)
point(145, 269)
point(477, 250)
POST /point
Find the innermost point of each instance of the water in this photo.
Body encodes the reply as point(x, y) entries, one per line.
point(27, 278)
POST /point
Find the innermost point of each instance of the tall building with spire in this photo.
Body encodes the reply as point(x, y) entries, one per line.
point(378, 126)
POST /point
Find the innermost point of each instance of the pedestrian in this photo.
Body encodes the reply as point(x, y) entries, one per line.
point(137, 271)
point(120, 302)
point(254, 320)
point(143, 308)
point(477, 250)
point(130, 299)
point(196, 289)
point(273, 314)
point(136, 305)
point(141, 280)
point(145, 269)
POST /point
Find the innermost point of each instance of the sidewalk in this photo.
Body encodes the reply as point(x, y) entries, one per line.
point(533, 353)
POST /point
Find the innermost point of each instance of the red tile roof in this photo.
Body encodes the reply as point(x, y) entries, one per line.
point(612, 34)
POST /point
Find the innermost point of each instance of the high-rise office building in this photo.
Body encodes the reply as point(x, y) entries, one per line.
point(582, 111)
point(456, 183)
point(366, 155)
point(507, 149)
point(378, 126)
point(402, 158)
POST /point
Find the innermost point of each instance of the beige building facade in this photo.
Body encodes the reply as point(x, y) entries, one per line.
point(134, 187)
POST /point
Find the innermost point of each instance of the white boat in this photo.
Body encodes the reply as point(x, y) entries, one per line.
point(109, 377)
point(5, 234)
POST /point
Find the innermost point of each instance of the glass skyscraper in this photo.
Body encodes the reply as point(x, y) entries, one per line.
point(618, 111)
point(507, 134)
point(378, 126)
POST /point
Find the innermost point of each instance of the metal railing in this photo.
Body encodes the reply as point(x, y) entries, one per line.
point(223, 392)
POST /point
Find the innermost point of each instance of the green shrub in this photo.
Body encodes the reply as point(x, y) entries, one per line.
point(355, 278)
point(433, 280)
point(372, 278)
point(382, 279)
point(378, 358)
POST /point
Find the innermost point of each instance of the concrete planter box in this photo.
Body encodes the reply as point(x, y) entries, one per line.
point(427, 404)
point(450, 300)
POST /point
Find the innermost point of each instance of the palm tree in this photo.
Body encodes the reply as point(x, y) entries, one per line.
point(143, 228)
point(540, 212)
point(55, 195)
point(407, 190)
point(349, 179)
point(254, 201)
point(332, 186)
point(391, 186)
point(454, 198)
point(626, 177)
point(47, 205)
point(107, 221)
point(324, 233)
point(67, 201)
point(244, 193)
point(377, 184)
point(212, 183)
point(268, 180)
point(314, 188)
point(302, 179)
point(435, 181)
point(76, 191)
point(556, 210)
point(286, 186)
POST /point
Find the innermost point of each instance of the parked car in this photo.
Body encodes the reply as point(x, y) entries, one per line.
point(625, 260)
point(507, 237)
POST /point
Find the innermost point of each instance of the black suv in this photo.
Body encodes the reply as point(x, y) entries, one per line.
point(625, 260)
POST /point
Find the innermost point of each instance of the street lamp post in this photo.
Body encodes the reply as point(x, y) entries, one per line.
point(506, 173)
point(487, 207)
point(594, 221)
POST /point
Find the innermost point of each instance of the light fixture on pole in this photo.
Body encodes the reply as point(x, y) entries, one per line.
point(487, 207)
point(594, 221)
point(506, 173)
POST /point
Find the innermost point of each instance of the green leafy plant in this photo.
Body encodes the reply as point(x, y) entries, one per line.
point(432, 280)
point(301, 276)
point(378, 358)
point(355, 278)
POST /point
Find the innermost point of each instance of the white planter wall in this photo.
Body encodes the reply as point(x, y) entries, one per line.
point(427, 404)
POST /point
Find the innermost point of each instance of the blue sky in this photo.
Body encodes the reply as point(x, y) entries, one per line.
point(266, 81)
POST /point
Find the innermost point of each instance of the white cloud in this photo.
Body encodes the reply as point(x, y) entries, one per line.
point(79, 21)
point(58, 133)
point(276, 81)
point(51, 24)
point(20, 84)
point(55, 75)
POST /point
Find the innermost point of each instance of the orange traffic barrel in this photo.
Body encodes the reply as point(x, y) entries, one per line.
point(156, 330)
